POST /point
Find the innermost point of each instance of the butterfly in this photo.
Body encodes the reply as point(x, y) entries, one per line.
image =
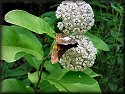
point(61, 44)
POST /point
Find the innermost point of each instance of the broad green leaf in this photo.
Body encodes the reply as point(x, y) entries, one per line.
point(50, 18)
point(33, 77)
point(75, 82)
point(75, 87)
point(26, 81)
point(16, 72)
point(90, 72)
point(52, 67)
point(58, 74)
point(17, 40)
point(49, 21)
point(32, 61)
point(66, 81)
point(13, 86)
point(59, 84)
point(77, 77)
point(30, 89)
point(50, 15)
point(98, 43)
point(47, 87)
point(12, 70)
point(29, 21)
point(4, 69)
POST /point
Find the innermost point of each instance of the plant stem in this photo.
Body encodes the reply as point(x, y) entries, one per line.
point(40, 70)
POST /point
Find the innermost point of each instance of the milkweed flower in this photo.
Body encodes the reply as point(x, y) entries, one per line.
point(77, 17)
point(75, 14)
point(80, 57)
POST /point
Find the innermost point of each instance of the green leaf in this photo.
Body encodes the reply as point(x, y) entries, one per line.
point(13, 86)
point(58, 74)
point(17, 40)
point(75, 82)
point(49, 21)
point(32, 61)
point(90, 72)
point(52, 67)
point(4, 68)
point(33, 77)
point(47, 87)
point(59, 84)
point(98, 43)
point(50, 18)
point(31, 90)
point(67, 81)
point(26, 81)
point(29, 21)
point(50, 14)
point(15, 71)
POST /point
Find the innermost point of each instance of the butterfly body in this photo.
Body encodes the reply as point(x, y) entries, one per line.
point(61, 44)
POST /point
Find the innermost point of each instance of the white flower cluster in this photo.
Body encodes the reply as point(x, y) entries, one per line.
point(80, 57)
point(77, 17)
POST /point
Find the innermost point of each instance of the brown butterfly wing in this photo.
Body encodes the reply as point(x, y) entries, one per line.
point(67, 42)
point(60, 47)
point(64, 48)
point(54, 55)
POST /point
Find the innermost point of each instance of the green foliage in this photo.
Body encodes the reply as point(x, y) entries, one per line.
point(50, 18)
point(32, 61)
point(47, 87)
point(90, 72)
point(29, 21)
point(13, 86)
point(14, 46)
point(109, 27)
point(36, 74)
point(117, 7)
point(77, 82)
point(51, 67)
point(15, 70)
point(98, 43)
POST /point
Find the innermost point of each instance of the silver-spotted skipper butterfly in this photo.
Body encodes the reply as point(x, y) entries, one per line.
point(62, 43)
